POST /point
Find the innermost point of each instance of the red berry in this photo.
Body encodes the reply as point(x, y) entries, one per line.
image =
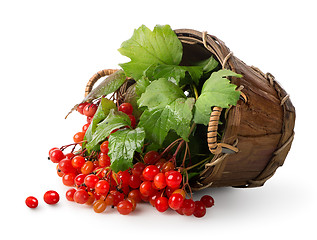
point(99, 206)
point(124, 207)
point(31, 202)
point(135, 195)
point(91, 180)
point(146, 189)
point(124, 177)
point(161, 204)
point(81, 196)
point(51, 197)
point(200, 209)
point(149, 172)
point(104, 147)
point(87, 168)
point(56, 155)
point(159, 181)
point(79, 179)
point(207, 200)
point(66, 166)
point(69, 179)
point(70, 194)
point(102, 187)
point(117, 197)
point(85, 127)
point(173, 179)
point(138, 168)
point(188, 207)
point(134, 181)
point(79, 137)
point(151, 157)
point(69, 155)
point(104, 160)
point(81, 107)
point(126, 108)
point(90, 109)
point(78, 161)
point(175, 201)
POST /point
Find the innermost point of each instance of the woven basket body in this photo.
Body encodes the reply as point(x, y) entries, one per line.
point(261, 127)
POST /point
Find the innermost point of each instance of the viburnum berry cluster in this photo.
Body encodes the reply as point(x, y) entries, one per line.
point(155, 178)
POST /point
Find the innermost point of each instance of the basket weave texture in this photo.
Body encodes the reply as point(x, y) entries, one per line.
point(261, 127)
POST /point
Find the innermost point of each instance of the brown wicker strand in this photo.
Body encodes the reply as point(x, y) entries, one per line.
point(96, 77)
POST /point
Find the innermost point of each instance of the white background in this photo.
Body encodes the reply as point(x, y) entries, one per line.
point(49, 50)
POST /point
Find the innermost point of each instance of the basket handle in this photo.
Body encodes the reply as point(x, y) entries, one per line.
point(96, 77)
point(212, 132)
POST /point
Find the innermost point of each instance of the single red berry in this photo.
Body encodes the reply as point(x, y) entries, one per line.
point(149, 172)
point(87, 168)
point(81, 196)
point(200, 209)
point(79, 179)
point(104, 160)
point(69, 179)
point(102, 187)
point(104, 147)
point(85, 127)
point(78, 161)
point(31, 202)
point(70, 194)
point(126, 108)
point(79, 137)
point(159, 181)
point(133, 121)
point(175, 201)
point(124, 207)
point(135, 195)
point(90, 109)
point(138, 168)
point(207, 200)
point(146, 188)
point(173, 179)
point(134, 181)
point(91, 180)
point(51, 197)
point(151, 157)
point(66, 166)
point(89, 119)
point(168, 166)
point(161, 204)
point(188, 207)
point(56, 155)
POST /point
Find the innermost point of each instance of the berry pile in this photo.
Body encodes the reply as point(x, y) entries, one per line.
point(154, 179)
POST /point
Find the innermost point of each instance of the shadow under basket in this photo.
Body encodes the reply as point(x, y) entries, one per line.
point(258, 131)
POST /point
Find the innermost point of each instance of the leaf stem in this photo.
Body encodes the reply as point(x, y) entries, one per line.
point(199, 163)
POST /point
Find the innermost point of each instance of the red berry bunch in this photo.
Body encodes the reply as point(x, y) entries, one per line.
point(154, 180)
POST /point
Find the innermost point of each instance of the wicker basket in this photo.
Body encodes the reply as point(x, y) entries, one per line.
point(259, 130)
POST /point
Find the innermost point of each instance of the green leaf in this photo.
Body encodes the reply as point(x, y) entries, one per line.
point(114, 120)
point(107, 86)
point(216, 91)
point(122, 145)
point(177, 115)
point(208, 64)
point(160, 93)
point(102, 112)
point(146, 47)
point(141, 85)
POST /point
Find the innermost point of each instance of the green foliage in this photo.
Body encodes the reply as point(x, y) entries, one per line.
point(216, 91)
point(122, 145)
